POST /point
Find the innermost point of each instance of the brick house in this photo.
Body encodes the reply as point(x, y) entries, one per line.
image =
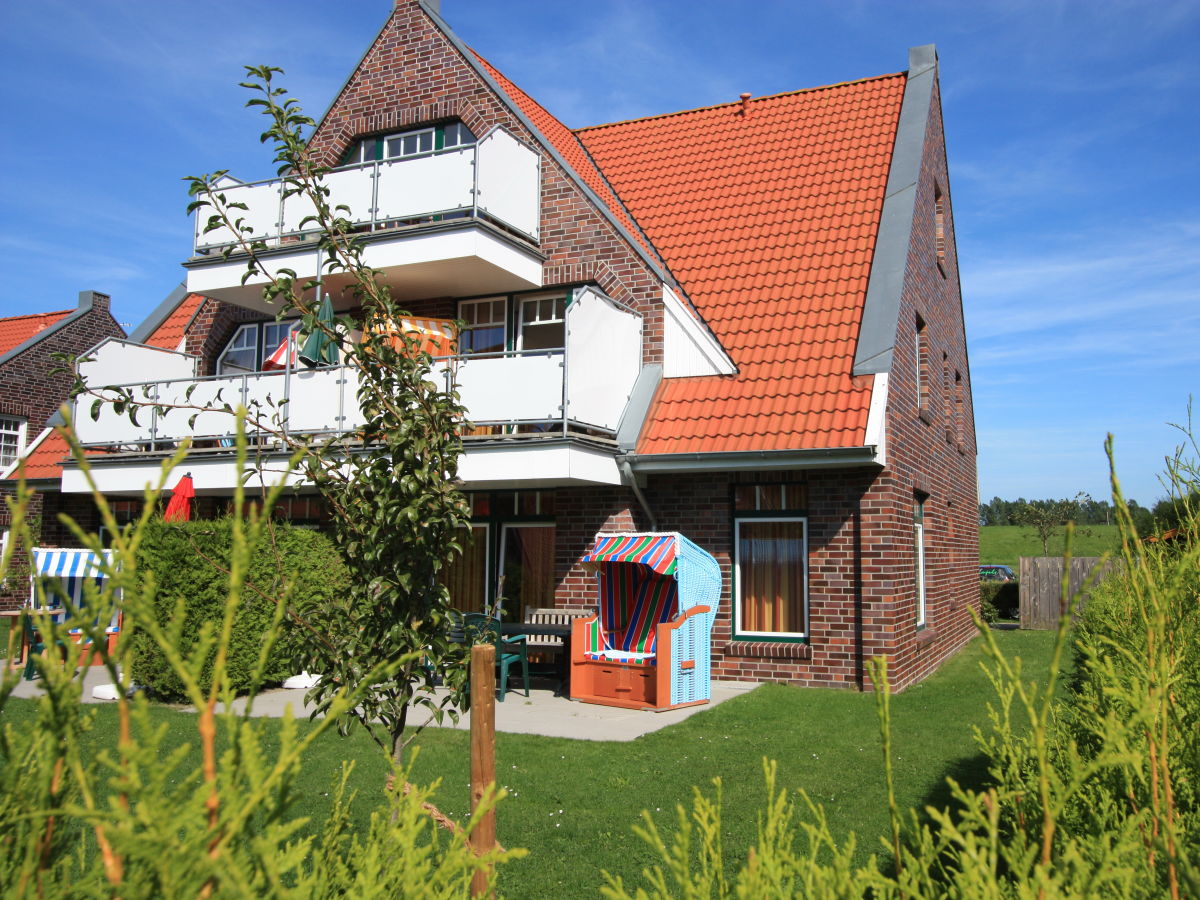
point(30, 395)
point(741, 322)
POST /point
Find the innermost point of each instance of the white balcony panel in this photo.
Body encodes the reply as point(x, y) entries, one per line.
point(323, 400)
point(265, 393)
point(206, 403)
point(604, 349)
point(109, 427)
point(508, 174)
point(514, 388)
point(262, 215)
point(409, 188)
point(113, 361)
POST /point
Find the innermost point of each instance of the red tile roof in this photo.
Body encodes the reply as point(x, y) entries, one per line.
point(768, 221)
point(43, 461)
point(16, 330)
point(168, 334)
point(569, 148)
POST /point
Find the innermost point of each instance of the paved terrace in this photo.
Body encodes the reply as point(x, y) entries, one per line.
point(540, 713)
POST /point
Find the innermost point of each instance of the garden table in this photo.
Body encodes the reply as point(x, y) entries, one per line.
point(545, 629)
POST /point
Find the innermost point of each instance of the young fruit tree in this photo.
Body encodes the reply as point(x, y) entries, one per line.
point(398, 518)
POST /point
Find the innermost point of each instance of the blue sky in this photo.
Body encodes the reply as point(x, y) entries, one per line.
point(1072, 131)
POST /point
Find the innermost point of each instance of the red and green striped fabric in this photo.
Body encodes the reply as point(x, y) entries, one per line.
point(655, 551)
point(633, 601)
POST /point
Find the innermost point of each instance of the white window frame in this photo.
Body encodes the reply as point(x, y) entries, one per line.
point(469, 326)
point(261, 350)
point(741, 633)
point(19, 427)
point(919, 562)
point(523, 303)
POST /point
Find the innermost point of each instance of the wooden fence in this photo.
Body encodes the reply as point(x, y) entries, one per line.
point(1041, 586)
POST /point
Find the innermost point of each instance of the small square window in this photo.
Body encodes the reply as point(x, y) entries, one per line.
point(12, 439)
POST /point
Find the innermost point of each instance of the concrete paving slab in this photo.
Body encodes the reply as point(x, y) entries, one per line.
point(541, 713)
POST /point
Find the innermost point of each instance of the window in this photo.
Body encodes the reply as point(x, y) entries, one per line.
point(959, 429)
point(251, 345)
point(485, 326)
point(771, 564)
point(921, 359)
point(12, 439)
point(919, 554)
point(404, 144)
point(939, 228)
point(543, 323)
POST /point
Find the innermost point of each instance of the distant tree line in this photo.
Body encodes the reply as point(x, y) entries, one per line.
point(1045, 516)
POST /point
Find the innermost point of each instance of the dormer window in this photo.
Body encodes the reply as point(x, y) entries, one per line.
point(405, 144)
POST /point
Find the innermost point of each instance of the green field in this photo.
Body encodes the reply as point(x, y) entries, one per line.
point(1006, 544)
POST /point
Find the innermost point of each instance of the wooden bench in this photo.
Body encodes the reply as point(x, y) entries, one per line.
point(551, 645)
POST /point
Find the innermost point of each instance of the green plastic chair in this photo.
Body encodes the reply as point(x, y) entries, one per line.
point(34, 644)
point(509, 650)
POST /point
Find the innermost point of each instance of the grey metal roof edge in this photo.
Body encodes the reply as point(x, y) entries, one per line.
point(85, 307)
point(159, 314)
point(658, 268)
point(881, 311)
point(753, 460)
point(633, 419)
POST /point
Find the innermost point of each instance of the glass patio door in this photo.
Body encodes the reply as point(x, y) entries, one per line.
point(525, 576)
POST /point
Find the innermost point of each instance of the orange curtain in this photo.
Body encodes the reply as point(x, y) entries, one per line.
point(771, 564)
point(466, 578)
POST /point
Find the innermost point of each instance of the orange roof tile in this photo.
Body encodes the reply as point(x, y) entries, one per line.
point(16, 330)
point(768, 221)
point(44, 460)
point(569, 148)
point(170, 332)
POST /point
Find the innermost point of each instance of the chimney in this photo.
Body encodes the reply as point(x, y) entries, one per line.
point(745, 98)
point(93, 300)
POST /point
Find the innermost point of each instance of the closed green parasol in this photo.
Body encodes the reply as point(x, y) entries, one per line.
point(320, 349)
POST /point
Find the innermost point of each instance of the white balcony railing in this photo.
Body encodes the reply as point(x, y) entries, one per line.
point(586, 384)
point(497, 178)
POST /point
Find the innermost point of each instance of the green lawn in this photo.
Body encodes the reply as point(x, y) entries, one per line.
point(572, 803)
point(1006, 544)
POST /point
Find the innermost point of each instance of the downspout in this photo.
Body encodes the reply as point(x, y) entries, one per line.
point(627, 473)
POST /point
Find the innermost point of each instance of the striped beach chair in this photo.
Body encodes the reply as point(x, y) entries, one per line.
point(58, 585)
point(648, 644)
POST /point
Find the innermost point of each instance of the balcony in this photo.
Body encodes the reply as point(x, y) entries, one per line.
point(448, 223)
point(537, 418)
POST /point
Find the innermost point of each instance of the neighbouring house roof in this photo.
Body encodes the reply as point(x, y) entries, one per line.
point(169, 333)
point(768, 218)
point(16, 330)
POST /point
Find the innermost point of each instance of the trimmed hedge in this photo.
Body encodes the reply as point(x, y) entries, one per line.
point(998, 597)
point(177, 556)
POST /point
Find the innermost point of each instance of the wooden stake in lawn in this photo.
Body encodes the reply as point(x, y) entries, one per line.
point(483, 752)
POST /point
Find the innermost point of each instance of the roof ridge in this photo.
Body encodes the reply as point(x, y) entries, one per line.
point(55, 312)
point(776, 96)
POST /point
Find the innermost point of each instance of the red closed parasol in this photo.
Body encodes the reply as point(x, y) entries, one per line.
point(179, 509)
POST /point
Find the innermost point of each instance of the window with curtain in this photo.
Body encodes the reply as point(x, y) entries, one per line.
point(466, 576)
point(771, 578)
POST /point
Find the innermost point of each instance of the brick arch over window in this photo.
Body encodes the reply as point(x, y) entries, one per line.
point(402, 117)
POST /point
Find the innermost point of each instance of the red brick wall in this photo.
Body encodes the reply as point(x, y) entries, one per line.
point(925, 452)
